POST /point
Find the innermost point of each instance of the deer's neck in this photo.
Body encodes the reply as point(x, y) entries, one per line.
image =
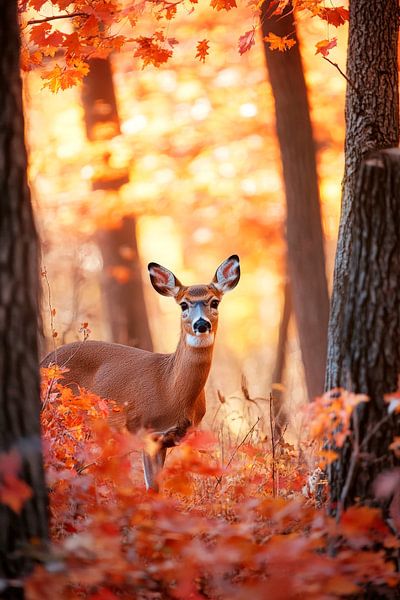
point(189, 369)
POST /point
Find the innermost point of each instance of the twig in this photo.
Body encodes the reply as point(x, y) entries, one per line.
point(340, 71)
point(219, 479)
point(272, 428)
point(53, 333)
point(47, 19)
point(355, 455)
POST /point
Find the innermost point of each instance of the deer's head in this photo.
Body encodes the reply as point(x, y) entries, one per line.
point(199, 303)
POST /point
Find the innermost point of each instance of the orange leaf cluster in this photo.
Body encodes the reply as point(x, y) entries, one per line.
point(330, 417)
point(95, 23)
point(152, 49)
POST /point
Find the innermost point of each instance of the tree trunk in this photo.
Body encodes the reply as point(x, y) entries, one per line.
point(306, 260)
point(372, 123)
point(121, 282)
point(122, 285)
point(280, 413)
point(19, 283)
point(371, 326)
point(364, 321)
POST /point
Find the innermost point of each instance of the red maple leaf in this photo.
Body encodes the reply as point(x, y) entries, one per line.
point(334, 16)
point(14, 492)
point(246, 41)
point(202, 49)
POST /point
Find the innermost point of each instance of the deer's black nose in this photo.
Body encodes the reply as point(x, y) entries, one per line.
point(201, 326)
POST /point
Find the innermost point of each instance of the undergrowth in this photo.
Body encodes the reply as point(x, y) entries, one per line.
point(243, 527)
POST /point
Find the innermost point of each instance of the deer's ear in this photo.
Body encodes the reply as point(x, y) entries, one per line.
point(163, 281)
point(227, 275)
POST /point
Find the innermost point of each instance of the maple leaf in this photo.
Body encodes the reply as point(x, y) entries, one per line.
point(202, 50)
point(39, 32)
point(279, 43)
point(334, 16)
point(223, 4)
point(14, 492)
point(246, 41)
point(150, 50)
point(324, 46)
point(278, 6)
point(37, 4)
point(90, 27)
point(62, 4)
point(62, 78)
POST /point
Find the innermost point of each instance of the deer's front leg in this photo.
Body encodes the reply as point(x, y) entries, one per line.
point(152, 466)
point(153, 463)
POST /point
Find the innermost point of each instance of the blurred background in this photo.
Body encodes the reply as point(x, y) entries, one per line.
point(180, 165)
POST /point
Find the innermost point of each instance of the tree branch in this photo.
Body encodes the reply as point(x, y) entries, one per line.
point(67, 16)
point(339, 69)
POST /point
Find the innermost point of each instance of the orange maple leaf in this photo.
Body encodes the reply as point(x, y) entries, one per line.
point(150, 50)
point(279, 43)
point(324, 46)
point(202, 49)
point(62, 78)
point(223, 4)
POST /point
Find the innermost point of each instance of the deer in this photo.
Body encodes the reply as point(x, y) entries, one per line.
point(162, 393)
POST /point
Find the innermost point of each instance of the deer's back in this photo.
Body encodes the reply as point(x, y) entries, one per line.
point(132, 377)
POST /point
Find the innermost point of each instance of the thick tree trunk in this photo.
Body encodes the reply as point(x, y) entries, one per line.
point(372, 123)
point(306, 261)
point(19, 282)
point(371, 326)
point(363, 351)
point(121, 282)
point(123, 287)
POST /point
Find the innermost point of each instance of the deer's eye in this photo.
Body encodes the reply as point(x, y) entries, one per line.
point(214, 303)
point(184, 306)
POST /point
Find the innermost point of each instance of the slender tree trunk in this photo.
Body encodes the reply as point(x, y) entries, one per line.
point(306, 260)
point(19, 283)
point(123, 295)
point(371, 326)
point(280, 412)
point(372, 123)
point(121, 282)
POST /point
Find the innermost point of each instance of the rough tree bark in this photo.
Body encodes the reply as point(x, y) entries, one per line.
point(371, 326)
point(372, 123)
point(121, 281)
point(19, 283)
point(363, 351)
point(305, 255)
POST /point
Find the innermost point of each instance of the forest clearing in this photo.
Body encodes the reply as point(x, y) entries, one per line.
point(170, 169)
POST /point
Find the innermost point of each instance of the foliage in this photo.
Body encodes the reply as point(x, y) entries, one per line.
point(214, 532)
point(100, 27)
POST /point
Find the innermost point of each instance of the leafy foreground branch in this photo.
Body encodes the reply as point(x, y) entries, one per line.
point(196, 540)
